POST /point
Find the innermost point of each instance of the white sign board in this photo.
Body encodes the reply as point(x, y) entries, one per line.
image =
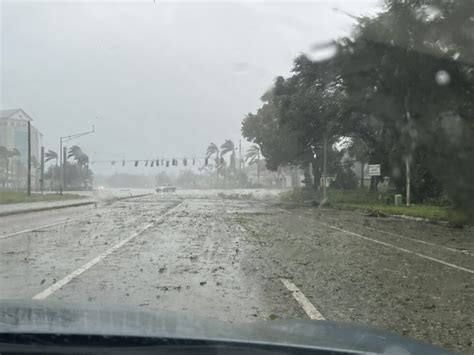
point(374, 170)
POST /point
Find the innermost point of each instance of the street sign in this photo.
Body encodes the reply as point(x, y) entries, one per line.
point(374, 170)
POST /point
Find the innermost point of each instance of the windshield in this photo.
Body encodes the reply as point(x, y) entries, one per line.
point(242, 161)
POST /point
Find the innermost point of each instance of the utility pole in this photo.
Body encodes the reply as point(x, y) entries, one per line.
point(240, 162)
point(325, 167)
point(29, 160)
point(42, 171)
point(258, 167)
point(407, 166)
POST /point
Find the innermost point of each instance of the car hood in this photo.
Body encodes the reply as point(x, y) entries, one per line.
point(46, 317)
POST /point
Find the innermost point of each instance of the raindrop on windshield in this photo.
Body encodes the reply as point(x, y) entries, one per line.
point(442, 77)
point(321, 52)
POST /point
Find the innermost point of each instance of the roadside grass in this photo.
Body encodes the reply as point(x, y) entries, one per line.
point(376, 203)
point(7, 197)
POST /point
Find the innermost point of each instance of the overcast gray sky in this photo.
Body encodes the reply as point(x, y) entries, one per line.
point(156, 79)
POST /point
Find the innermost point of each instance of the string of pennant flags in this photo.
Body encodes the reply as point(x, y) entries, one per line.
point(161, 162)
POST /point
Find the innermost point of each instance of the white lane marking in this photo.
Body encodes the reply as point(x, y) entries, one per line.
point(50, 225)
point(412, 239)
point(391, 245)
point(399, 248)
point(53, 288)
point(307, 306)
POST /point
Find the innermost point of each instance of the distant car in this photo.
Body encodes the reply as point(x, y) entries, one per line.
point(166, 188)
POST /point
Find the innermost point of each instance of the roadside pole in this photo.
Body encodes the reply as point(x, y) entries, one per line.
point(42, 171)
point(407, 166)
point(29, 160)
point(325, 167)
point(61, 166)
point(240, 162)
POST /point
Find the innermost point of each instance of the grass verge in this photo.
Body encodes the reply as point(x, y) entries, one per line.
point(372, 202)
point(7, 197)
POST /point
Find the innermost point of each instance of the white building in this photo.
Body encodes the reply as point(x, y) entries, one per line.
point(14, 135)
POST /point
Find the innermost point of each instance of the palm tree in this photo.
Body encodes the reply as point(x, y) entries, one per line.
point(212, 149)
point(81, 158)
point(253, 157)
point(51, 155)
point(228, 147)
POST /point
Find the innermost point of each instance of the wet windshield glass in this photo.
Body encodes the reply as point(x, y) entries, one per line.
point(242, 161)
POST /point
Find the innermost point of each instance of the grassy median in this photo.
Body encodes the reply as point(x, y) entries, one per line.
point(372, 202)
point(19, 197)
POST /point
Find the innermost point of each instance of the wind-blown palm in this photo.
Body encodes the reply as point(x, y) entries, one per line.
point(253, 155)
point(78, 155)
point(212, 150)
point(51, 155)
point(229, 147)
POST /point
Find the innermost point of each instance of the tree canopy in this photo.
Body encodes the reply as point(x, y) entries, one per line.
point(401, 87)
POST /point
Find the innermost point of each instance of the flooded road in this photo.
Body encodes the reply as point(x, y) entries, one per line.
point(239, 257)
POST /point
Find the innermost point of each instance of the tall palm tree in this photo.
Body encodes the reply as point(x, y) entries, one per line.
point(81, 158)
point(229, 147)
point(213, 149)
point(253, 157)
point(51, 155)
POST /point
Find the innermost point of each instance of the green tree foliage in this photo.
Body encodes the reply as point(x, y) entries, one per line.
point(401, 88)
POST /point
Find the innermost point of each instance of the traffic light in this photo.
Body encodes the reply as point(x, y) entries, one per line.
point(167, 163)
point(152, 162)
point(146, 162)
point(136, 163)
point(185, 162)
point(157, 162)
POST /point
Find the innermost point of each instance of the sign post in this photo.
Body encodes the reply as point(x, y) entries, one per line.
point(374, 170)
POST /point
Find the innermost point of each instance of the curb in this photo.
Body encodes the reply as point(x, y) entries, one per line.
point(40, 209)
point(419, 219)
point(77, 204)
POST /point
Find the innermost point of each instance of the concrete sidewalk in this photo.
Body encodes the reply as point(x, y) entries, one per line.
point(17, 208)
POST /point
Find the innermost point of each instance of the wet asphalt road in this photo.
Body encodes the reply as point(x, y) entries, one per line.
point(225, 257)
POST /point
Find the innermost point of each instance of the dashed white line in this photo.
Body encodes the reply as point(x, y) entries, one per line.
point(53, 288)
point(64, 281)
point(401, 236)
point(398, 248)
point(389, 245)
point(307, 306)
point(412, 239)
point(48, 225)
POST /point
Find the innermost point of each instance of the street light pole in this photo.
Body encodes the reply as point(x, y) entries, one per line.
point(62, 158)
point(325, 158)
